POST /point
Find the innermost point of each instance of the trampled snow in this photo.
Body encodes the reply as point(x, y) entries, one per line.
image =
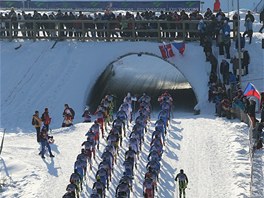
point(214, 152)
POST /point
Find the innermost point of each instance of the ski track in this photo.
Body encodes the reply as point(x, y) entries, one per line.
point(211, 155)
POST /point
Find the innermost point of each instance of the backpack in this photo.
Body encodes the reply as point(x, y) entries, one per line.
point(33, 122)
point(72, 112)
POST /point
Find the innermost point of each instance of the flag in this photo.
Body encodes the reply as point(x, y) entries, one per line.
point(166, 51)
point(179, 46)
point(251, 91)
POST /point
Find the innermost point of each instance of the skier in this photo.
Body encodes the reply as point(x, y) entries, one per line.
point(103, 175)
point(71, 191)
point(148, 187)
point(83, 157)
point(76, 180)
point(101, 114)
point(95, 128)
point(123, 189)
point(183, 182)
point(99, 187)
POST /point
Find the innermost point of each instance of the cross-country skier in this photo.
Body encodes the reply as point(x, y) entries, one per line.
point(183, 182)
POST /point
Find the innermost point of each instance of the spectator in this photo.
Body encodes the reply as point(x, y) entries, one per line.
point(235, 63)
point(224, 70)
point(213, 62)
point(235, 25)
point(217, 6)
point(208, 14)
point(226, 38)
point(207, 47)
point(250, 16)
point(261, 19)
point(46, 119)
point(242, 42)
point(252, 112)
point(44, 140)
point(262, 107)
point(245, 61)
point(37, 122)
point(68, 115)
point(249, 29)
point(201, 29)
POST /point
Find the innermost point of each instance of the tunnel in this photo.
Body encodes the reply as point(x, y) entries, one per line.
point(142, 73)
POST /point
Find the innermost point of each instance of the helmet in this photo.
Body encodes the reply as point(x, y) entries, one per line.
point(181, 171)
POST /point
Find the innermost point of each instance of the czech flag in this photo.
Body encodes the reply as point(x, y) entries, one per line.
point(251, 91)
point(166, 51)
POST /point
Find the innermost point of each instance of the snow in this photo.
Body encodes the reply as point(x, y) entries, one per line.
point(214, 152)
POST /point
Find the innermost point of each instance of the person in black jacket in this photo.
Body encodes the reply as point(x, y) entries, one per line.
point(245, 61)
point(250, 16)
point(261, 19)
point(252, 112)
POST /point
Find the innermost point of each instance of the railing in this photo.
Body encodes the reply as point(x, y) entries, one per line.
point(240, 114)
point(101, 30)
point(259, 6)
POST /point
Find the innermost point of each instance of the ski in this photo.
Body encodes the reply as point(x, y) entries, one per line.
point(54, 44)
point(16, 48)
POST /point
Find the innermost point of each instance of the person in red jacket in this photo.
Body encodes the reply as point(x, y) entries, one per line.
point(217, 5)
point(46, 119)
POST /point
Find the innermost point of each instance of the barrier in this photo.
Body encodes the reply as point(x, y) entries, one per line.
point(240, 114)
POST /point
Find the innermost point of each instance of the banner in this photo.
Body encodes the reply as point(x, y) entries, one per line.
point(102, 5)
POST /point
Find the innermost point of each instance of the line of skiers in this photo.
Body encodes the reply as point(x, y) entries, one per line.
point(156, 146)
point(90, 146)
point(136, 138)
point(114, 140)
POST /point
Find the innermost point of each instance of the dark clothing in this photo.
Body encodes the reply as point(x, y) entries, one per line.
point(37, 124)
point(44, 143)
point(224, 70)
point(261, 19)
point(214, 63)
point(46, 119)
point(245, 61)
point(242, 42)
point(249, 15)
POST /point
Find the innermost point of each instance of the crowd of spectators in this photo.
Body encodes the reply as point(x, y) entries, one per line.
point(111, 24)
point(224, 87)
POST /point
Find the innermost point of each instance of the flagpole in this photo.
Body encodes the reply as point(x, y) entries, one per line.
point(239, 44)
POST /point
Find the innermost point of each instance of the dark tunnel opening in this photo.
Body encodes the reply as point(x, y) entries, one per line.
point(118, 84)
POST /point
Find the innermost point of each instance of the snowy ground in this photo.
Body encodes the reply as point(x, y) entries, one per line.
point(212, 151)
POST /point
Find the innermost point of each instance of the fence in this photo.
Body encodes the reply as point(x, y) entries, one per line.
point(102, 30)
point(240, 114)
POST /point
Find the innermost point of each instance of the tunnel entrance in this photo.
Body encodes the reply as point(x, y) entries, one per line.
point(138, 74)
